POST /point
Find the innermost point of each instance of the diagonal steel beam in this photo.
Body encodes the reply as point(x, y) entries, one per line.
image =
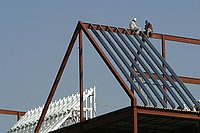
point(57, 79)
point(120, 65)
point(161, 68)
point(106, 60)
point(174, 75)
point(154, 69)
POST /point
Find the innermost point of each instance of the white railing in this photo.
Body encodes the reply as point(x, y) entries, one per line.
point(61, 113)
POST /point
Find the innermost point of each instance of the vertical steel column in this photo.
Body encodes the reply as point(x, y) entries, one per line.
point(164, 56)
point(135, 118)
point(81, 75)
point(18, 116)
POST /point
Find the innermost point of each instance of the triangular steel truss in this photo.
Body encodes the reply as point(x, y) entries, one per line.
point(123, 45)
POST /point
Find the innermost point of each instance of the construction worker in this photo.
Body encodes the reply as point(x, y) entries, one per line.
point(148, 29)
point(134, 27)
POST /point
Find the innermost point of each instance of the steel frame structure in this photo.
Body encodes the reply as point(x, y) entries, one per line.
point(82, 27)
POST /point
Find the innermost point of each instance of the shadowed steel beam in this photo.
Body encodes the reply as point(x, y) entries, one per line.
point(145, 68)
point(119, 65)
point(137, 67)
point(106, 60)
point(157, 36)
point(161, 68)
point(155, 70)
point(57, 79)
point(168, 112)
point(174, 75)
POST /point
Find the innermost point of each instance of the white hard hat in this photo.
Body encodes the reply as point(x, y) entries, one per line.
point(134, 19)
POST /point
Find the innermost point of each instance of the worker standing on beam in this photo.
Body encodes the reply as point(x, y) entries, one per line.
point(148, 29)
point(134, 27)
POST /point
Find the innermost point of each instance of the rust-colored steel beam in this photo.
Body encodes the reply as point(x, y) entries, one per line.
point(190, 80)
point(57, 79)
point(155, 35)
point(106, 60)
point(177, 38)
point(183, 79)
point(81, 75)
point(135, 117)
point(168, 112)
point(164, 56)
point(12, 112)
point(126, 114)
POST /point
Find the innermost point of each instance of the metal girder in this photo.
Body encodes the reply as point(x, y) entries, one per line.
point(155, 70)
point(137, 67)
point(155, 35)
point(145, 68)
point(121, 67)
point(161, 68)
point(126, 114)
point(183, 78)
point(168, 112)
point(57, 79)
point(81, 86)
point(12, 112)
point(106, 60)
point(84, 27)
point(177, 38)
point(175, 76)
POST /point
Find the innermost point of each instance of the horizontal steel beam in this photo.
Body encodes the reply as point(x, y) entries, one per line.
point(155, 35)
point(126, 114)
point(183, 79)
point(177, 38)
point(11, 112)
point(168, 112)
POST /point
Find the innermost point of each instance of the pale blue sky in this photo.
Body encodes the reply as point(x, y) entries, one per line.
point(34, 36)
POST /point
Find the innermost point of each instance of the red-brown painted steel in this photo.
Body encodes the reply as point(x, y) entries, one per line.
point(177, 39)
point(11, 112)
point(135, 117)
point(168, 112)
point(155, 35)
point(59, 74)
point(127, 114)
point(164, 56)
point(81, 75)
point(84, 27)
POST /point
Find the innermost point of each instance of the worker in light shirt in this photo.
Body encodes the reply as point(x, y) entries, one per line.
point(134, 27)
